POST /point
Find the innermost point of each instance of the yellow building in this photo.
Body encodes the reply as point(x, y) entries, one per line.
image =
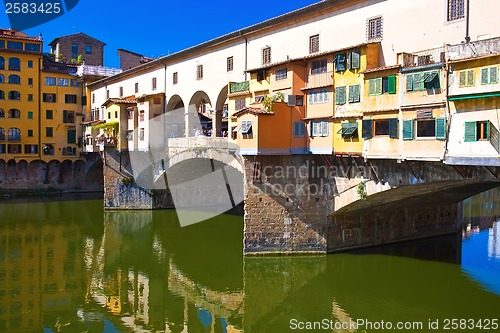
point(20, 59)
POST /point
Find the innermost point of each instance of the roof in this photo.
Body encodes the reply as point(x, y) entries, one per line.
point(8, 33)
point(252, 110)
point(315, 9)
point(79, 34)
point(379, 69)
point(120, 101)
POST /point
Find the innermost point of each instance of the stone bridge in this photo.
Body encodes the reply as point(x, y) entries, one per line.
point(298, 203)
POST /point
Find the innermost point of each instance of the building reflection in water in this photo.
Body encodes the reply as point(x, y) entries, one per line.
point(494, 241)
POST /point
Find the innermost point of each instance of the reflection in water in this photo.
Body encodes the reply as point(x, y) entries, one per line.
point(69, 267)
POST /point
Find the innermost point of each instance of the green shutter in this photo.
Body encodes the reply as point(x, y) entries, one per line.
point(488, 130)
point(470, 78)
point(393, 128)
point(418, 82)
point(378, 86)
point(409, 82)
point(494, 74)
point(391, 84)
point(484, 75)
point(441, 128)
point(340, 95)
point(494, 137)
point(371, 87)
point(71, 136)
point(367, 130)
point(357, 93)
point(354, 60)
point(408, 129)
point(462, 82)
point(470, 131)
point(351, 94)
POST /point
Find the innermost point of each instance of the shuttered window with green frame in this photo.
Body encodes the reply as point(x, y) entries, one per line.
point(393, 128)
point(367, 130)
point(354, 59)
point(340, 95)
point(441, 128)
point(408, 129)
point(355, 93)
point(391, 84)
point(375, 86)
point(470, 134)
point(489, 75)
point(72, 136)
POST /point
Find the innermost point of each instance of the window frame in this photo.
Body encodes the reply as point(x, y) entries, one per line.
point(229, 64)
point(455, 10)
point(266, 55)
point(314, 44)
point(375, 28)
point(281, 74)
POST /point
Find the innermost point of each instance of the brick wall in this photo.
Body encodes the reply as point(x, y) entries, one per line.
point(96, 58)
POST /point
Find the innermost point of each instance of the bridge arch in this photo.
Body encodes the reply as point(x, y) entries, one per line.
point(220, 119)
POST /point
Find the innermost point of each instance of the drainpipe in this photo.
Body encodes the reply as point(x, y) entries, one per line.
point(40, 64)
point(467, 21)
point(246, 54)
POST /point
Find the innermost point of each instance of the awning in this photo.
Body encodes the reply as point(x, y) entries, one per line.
point(464, 97)
point(348, 129)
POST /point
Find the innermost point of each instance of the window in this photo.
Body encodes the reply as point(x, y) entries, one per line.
point(175, 78)
point(422, 81)
point(88, 49)
point(49, 114)
point(199, 72)
point(2, 63)
point(355, 93)
point(49, 98)
point(374, 28)
point(340, 62)
point(14, 95)
point(476, 131)
point(2, 134)
point(74, 51)
point(456, 9)
point(30, 133)
point(489, 75)
point(63, 82)
point(466, 78)
point(116, 114)
point(380, 127)
point(318, 96)
point(30, 114)
point(299, 129)
point(15, 79)
point(14, 113)
point(281, 74)
point(120, 92)
point(136, 87)
point(314, 44)
point(246, 128)
point(381, 85)
point(354, 59)
point(229, 64)
point(130, 113)
point(141, 134)
point(70, 99)
point(14, 134)
point(14, 149)
point(74, 83)
point(30, 81)
point(107, 94)
point(30, 64)
point(319, 128)
point(318, 67)
point(14, 45)
point(153, 83)
point(266, 55)
point(93, 98)
point(340, 95)
point(49, 132)
point(2, 78)
point(32, 47)
point(2, 113)
point(14, 64)
point(130, 135)
point(2, 94)
point(71, 135)
point(239, 104)
point(31, 149)
point(349, 130)
point(50, 81)
point(426, 128)
point(109, 115)
point(48, 149)
point(68, 116)
point(141, 115)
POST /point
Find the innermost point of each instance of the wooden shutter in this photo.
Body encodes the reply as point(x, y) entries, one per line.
point(494, 74)
point(371, 87)
point(408, 129)
point(470, 129)
point(393, 128)
point(378, 86)
point(367, 130)
point(357, 93)
point(409, 82)
point(324, 127)
point(484, 75)
point(354, 60)
point(470, 78)
point(351, 94)
point(65, 116)
point(494, 138)
point(391, 84)
point(340, 62)
point(340, 95)
point(71, 136)
point(441, 128)
point(462, 82)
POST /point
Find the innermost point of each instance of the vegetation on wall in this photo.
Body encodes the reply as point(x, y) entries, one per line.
point(269, 101)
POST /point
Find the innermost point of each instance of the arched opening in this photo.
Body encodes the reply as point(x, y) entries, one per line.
point(37, 172)
point(201, 121)
point(66, 174)
point(14, 79)
point(22, 171)
point(11, 171)
point(14, 64)
point(221, 114)
point(175, 118)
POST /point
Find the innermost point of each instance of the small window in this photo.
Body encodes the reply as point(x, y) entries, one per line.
point(121, 92)
point(63, 82)
point(30, 63)
point(314, 44)
point(319, 128)
point(49, 132)
point(266, 55)
point(340, 95)
point(199, 72)
point(349, 130)
point(422, 81)
point(30, 133)
point(466, 78)
point(68, 116)
point(93, 98)
point(230, 64)
point(281, 74)
point(50, 81)
point(141, 134)
point(30, 114)
point(153, 83)
point(299, 129)
point(246, 128)
point(380, 85)
point(30, 97)
point(70, 99)
point(426, 128)
point(175, 78)
point(318, 96)
point(381, 127)
point(30, 81)
point(456, 9)
point(239, 104)
point(48, 149)
point(355, 93)
point(340, 62)
point(49, 114)
point(88, 49)
point(74, 83)
point(374, 28)
point(318, 67)
point(136, 87)
point(107, 94)
point(476, 131)
point(141, 115)
point(489, 75)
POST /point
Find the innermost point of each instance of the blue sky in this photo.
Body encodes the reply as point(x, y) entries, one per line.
point(156, 28)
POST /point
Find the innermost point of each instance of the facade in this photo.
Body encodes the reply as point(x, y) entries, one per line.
point(77, 48)
point(129, 59)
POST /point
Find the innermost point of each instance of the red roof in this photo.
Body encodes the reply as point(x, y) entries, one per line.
point(252, 111)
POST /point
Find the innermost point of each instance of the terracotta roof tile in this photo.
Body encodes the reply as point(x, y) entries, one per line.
point(251, 110)
point(120, 101)
point(379, 69)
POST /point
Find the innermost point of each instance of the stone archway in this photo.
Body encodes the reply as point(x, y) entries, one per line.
point(175, 118)
point(220, 117)
point(200, 112)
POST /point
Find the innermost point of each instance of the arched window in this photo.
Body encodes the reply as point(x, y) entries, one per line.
point(14, 79)
point(14, 64)
point(2, 134)
point(2, 113)
point(14, 134)
point(48, 149)
point(15, 95)
point(2, 94)
point(2, 63)
point(14, 113)
point(2, 78)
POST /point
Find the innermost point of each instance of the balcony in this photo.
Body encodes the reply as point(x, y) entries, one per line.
point(473, 49)
point(430, 57)
point(319, 80)
point(236, 87)
point(87, 70)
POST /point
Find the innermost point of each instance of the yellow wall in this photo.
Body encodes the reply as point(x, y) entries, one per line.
point(349, 146)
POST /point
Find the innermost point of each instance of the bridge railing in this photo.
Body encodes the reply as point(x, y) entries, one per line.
point(200, 142)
